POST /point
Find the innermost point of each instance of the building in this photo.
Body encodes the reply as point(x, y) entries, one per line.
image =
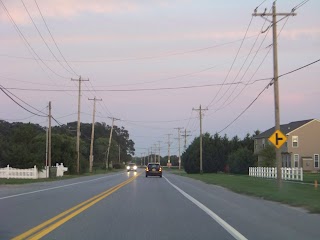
point(302, 148)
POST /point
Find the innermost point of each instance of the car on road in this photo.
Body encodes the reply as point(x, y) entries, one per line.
point(132, 167)
point(153, 169)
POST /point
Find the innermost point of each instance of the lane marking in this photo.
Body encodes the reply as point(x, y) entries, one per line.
point(52, 188)
point(45, 227)
point(237, 235)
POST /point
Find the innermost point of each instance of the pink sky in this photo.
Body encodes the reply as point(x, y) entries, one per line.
point(128, 31)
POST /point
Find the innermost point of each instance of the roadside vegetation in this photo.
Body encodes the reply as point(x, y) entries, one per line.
point(299, 194)
point(23, 145)
point(221, 154)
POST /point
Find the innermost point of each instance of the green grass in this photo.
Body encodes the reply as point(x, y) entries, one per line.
point(291, 193)
point(4, 181)
point(311, 177)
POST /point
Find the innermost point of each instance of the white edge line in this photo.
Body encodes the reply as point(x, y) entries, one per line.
point(47, 189)
point(214, 216)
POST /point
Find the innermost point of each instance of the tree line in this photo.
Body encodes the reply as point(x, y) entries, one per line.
point(23, 145)
point(220, 154)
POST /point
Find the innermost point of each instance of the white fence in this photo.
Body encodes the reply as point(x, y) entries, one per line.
point(30, 173)
point(268, 172)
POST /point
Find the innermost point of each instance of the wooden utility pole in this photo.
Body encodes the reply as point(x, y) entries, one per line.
point(274, 15)
point(119, 153)
point(185, 135)
point(78, 124)
point(49, 140)
point(179, 138)
point(159, 152)
point(110, 139)
point(92, 132)
point(169, 143)
point(200, 116)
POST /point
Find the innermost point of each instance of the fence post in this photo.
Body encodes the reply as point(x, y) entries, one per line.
point(301, 174)
point(8, 169)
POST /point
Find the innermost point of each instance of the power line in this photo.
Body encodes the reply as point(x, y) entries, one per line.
point(265, 88)
point(243, 66)
point(140, 89)
point(299, 68)
point(234, 60)
point(54, 39)
point(252, 60)
point(27, 43)
point(300, 5)
point(2, 89)
point(45, 42)
point(139, 58)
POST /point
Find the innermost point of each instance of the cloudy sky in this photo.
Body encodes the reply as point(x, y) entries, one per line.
point(152, 62)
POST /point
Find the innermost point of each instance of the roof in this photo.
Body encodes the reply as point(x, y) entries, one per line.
point(284, 128)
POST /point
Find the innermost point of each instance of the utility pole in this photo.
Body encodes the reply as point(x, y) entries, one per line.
point(141, 159)
point(78, 125)
point(169, 143)
point(159, 152)
point(119, 153)
point(144, 159)
point(155, 153)
point(200, 115)
point(110, 138)
point(92, 132)
point(185, 135)
point(274, 15)
point(148, 156)
point(151, 155)
point(49, 139)
point(179, 128)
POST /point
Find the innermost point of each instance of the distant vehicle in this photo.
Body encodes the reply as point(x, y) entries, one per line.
point(132, 167)
point(153, 169)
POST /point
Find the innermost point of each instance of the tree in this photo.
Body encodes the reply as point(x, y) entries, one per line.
point(268, 155)
point(240, 160)
point(214, 154)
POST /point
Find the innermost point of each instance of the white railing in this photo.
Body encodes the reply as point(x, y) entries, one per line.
point(30, 173)
point(270, 172)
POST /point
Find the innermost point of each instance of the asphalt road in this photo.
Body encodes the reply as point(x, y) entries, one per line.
point(130, 206)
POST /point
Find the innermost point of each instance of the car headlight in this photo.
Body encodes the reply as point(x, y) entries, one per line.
point(135, 167)
point(128, 167)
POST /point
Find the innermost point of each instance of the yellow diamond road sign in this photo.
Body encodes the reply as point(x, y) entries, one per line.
point(278, 138)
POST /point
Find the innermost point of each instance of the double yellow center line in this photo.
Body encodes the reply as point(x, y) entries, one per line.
point(53, 223)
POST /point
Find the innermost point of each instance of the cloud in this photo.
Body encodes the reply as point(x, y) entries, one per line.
point(65, 9)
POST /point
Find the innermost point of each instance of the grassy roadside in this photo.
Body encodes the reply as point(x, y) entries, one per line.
point(291, 193)
point(4, 181)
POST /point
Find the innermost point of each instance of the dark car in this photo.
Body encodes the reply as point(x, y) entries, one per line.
point(153, 169)
point(132, 167)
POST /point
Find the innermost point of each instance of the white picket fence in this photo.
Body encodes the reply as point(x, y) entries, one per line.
point(270, 172)
point(30, 173)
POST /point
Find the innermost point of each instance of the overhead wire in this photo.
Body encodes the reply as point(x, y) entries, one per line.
point(43, 19)
point(223, 104)
point(139, 89)
point(265, 88)
point(234, 60)
point(3, 90)
point(27, 42)
point(44, 41)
